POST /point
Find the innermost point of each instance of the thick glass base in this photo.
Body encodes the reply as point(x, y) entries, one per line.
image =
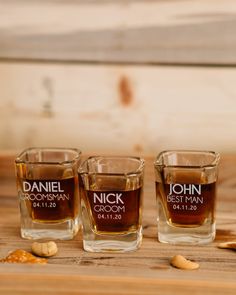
point(62, 231)
point(94, 242)
point(203, 234)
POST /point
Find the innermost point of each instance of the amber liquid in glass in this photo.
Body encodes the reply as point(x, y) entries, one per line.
point(187, 204)
point(114, 211)
point(50, 200)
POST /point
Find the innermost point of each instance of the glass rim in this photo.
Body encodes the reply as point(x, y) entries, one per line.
point(78, 152)
point(139, 170)
point(212, 164)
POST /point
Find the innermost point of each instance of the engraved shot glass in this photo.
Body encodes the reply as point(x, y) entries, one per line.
point(48, 191)
point(111, 203)
point(186, 196)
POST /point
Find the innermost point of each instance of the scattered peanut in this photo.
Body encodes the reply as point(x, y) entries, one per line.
point(22, 256)
point(181, 262)
point(47, 249)
point(227, 245)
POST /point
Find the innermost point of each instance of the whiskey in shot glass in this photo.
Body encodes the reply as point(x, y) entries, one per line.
point(186, 196)
point(111, 203)
point(48, 191)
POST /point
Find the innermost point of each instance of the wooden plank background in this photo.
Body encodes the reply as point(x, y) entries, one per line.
point(132, 31)
point(112, 76)
point(117, 109)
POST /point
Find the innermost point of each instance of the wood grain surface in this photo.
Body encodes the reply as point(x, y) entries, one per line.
point(126, 31)
point(146, 271)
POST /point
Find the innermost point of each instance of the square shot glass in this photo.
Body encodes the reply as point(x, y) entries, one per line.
point(111, 203)
point(186, 196)
point(48, 191)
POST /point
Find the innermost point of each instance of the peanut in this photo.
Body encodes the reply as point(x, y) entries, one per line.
point(47, 249)
point(227, 245)
point(181, 262)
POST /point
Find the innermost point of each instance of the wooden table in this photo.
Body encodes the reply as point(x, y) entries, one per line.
point(146, 271)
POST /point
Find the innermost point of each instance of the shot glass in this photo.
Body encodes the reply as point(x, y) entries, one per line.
point(48, 191)
point(111, 203)
point(186, 196)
